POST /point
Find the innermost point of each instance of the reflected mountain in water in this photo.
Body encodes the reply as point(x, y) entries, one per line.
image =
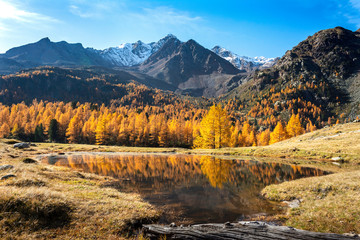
point(196, 188)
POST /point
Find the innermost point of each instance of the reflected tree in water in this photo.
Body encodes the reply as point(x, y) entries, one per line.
point(218, 171)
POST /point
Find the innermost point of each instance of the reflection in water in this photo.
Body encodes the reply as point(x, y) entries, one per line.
point(199, 188)
point(216, 170)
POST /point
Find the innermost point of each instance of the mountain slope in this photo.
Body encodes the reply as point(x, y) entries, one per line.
point(332, 53)
point(45, 52)
point(319, 79)
point(191, 68)
point(244, 63)
point(96, 85)
point(130, 54)
point(8, 66)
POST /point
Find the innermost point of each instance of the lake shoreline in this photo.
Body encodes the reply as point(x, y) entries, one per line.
point(197, 188)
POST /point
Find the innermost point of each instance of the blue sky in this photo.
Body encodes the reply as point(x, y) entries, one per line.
point(252, 28)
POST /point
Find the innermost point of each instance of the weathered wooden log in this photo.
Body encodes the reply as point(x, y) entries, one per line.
point(240, 230)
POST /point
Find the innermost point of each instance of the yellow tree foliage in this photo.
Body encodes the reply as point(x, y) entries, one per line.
point(294, 128)
point(171, 124)
point(153, 129)
point(174, 128)
point(310, 127)
point(264, 138)
point(278, 134)
point(100, 131)
point(4, 130)
point(88, 130)
point(15, 130)
point(252, 139)
point(245, 132)
point(216, 170)
point(164, 132)
point(188, 133)
point(235, 137)
point(214, 130)
point(73, 132)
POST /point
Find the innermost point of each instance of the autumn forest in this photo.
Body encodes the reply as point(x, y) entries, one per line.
point(142, 126)
point(133, 114)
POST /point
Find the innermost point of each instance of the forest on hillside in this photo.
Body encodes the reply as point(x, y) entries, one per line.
point(173, 125)
point(131, 114)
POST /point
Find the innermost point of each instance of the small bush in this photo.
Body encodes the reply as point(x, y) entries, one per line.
point(35, 210)
point(28, 183)
point(11, 141)
point(29, 160)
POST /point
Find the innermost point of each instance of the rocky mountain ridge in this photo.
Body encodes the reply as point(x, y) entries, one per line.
point(191, 68)
point(45, 52)
point(323, 70)
point(131, 54)
point(330, 55)
point(245, 63)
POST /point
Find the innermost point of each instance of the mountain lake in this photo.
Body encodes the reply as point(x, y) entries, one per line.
point(190, 188)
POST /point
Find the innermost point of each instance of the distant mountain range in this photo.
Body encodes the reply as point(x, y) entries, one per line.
point(45, 52)
point(132, 54)
point(243, 62)
point(185, 67)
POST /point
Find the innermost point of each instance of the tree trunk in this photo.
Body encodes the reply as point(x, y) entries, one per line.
point(241, 230)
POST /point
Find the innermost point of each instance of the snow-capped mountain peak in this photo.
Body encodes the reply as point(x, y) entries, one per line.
point(243, 62)
point(130, 54)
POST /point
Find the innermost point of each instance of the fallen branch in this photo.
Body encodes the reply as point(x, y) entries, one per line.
point(240, 230)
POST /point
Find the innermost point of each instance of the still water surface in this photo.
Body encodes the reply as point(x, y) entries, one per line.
point(193, 189)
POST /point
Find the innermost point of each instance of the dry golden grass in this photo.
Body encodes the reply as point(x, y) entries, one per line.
point(328, 203)
point(59, 147)
point(340, 140)
point(45, 201)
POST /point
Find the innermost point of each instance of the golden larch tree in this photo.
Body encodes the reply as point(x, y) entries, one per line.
point(100, 131)
point(294, 127)
point(4, 130)
point(264, 138)
point(252, 141)
point(245, 133)
point(278, 134)
point(73, 132)
point(214, 129)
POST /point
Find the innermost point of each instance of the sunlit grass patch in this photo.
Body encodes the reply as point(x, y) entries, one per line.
point(45, 201)
point(33, 209)
point(328, 203)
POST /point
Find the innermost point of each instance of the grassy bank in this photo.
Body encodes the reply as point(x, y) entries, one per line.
point(45, 201)
point(327, 204)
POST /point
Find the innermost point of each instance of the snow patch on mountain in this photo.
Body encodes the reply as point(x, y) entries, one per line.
point(131, 54)
point(244, 62)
